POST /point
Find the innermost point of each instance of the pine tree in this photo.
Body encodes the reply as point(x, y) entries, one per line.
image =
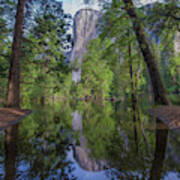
point(13, 96)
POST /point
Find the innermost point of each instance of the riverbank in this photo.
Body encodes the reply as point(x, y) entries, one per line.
point(11, 116)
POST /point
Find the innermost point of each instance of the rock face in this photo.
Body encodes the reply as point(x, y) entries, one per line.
point(177, 43)
point(84, 29)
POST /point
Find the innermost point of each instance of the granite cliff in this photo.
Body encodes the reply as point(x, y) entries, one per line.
point(84, 29)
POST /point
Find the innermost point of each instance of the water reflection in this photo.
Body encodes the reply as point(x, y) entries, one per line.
point(160, 151)
point(81, 152)
point(85, 142)
point(11, 140)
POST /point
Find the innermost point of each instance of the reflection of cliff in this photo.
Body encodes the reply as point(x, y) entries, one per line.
point(81, 153)
point(85, 22)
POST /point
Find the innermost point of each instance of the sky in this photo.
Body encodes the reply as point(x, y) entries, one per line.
point(72, 6)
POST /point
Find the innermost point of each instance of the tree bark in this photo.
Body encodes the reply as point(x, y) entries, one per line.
point(13, 94)
point(160, 95)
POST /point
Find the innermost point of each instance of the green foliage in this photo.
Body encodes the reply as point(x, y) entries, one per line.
point(116, 25)
point(98, 126)
point(164, 16)
point(47, 87)
point(75, 65)
point(5, 51)
point(44, 71)
point(41, 142)
point(96, 74)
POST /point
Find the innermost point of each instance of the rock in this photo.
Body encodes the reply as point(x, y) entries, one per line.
point(84, 29)
point(177, 43)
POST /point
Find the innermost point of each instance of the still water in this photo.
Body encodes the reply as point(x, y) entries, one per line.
point(88, 142)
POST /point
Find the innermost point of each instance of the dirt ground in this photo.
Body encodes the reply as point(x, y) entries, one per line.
point(170, 115)
point(10, 116)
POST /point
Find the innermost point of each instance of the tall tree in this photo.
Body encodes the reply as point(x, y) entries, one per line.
point(44, 69)
point(13, 96)
point(160, 94)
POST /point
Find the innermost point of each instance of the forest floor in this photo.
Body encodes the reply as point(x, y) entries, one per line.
point(170, 115)
point(10, 116)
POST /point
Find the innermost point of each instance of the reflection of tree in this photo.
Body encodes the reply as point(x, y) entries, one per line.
point(44, 144)
point(98, 127)
point(105, 139)
point(122, 151)
point(11, 139)
point(160, 151)
point(81, 152)
point(113, 141)
point(131, 165)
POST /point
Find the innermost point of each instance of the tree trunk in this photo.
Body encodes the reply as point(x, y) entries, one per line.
point(159, 91)
point(160, 95)
point(13, 95)
point(42, 101)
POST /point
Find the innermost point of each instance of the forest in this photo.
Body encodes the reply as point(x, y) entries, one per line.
point(102, 86)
